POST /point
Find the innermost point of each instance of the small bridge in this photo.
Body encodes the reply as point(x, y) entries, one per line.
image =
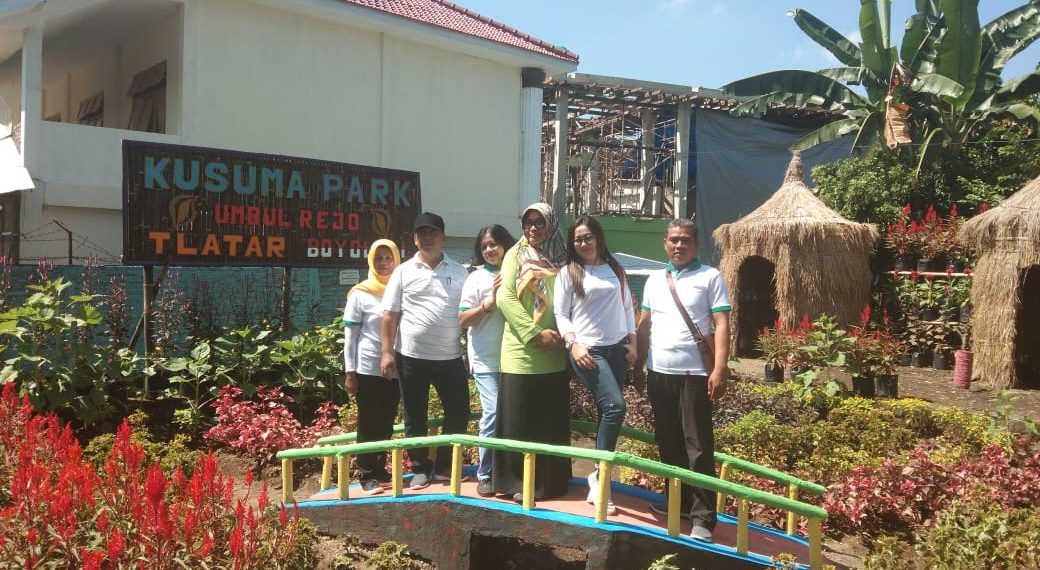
point(451, 525)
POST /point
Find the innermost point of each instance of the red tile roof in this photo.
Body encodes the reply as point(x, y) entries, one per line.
point(444, 14)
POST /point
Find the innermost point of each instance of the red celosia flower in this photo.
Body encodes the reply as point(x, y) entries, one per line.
point(91, 560)
point(115, 546)
point(914, 274)
point(805, 323)
point(249, 478)
point(906, 211)
point(207, 545)
point(283, 515)
point(236, 541)
point(155, 486)
point(864, 316)
point(983, 207)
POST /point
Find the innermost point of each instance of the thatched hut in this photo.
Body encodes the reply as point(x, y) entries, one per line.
point(792, 257)
point(1005, 290)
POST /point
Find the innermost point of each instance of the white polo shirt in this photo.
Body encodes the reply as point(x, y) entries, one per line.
point(485, 339)
point(428, 299)
point(702, 291)
point(365, 311)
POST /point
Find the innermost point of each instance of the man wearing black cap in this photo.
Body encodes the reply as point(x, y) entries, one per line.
point(420, 338)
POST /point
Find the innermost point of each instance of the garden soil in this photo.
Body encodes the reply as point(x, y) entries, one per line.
point(933, 386)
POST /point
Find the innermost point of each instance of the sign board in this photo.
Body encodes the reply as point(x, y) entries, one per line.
point(349, 276)
point(186, 205)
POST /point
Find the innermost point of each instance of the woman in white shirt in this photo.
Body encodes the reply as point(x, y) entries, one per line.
point(484, 325)
point(377, 398)
point(594, 314)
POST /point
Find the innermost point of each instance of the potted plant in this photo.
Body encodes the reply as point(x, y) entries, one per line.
point(933, 240)
point(938, 335)
point(902, 239)
point(919, 343)
point(889, 351)
point(931, 296)
point(775, 346)
point(860, 361)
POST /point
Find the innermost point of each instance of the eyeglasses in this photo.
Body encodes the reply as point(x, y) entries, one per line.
point(582, 240)
point(536, 223)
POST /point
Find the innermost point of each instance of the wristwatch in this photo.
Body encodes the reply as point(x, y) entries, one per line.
point(569, 344)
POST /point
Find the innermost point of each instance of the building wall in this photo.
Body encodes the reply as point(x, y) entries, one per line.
point(260, 79)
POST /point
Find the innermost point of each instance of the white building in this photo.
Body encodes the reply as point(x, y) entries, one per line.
point(420, 85)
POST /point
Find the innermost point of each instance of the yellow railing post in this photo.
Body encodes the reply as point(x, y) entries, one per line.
point(604, 491)
point(342, 476)
point(396, 469)
point(674, 505)
point(742, 526)
point(326, 472)
point(815, 543)
point(529, 464)
point(792, 493)
point(720, 498)
point(456, 470)
point(287, 481)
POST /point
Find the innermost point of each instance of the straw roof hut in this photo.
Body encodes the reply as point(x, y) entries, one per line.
point(819, 261)
point(1005, 290)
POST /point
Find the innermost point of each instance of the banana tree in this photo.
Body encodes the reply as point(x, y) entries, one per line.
point(945, 74)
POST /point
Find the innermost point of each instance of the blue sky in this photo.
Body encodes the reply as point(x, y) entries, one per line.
point(701, 42)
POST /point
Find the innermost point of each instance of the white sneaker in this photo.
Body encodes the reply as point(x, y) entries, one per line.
point(593, 496)
point(700, 533)
point(593, 488)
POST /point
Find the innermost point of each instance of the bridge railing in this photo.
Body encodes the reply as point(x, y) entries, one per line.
point(729, 464)
point(606, 460)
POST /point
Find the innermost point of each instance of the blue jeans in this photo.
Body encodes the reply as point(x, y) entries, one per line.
point(487, 385)
point(604, 381)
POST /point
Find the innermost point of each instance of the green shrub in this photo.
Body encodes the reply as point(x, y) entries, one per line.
point(170, 454)
point(980, 534)
point(759, 438)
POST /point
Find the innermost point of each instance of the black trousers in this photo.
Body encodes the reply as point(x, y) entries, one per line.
point(377, 399)
point(685, 437)
point(449, 378)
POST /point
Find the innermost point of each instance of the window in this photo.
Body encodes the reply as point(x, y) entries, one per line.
point(148, 91)
point(9, 210)
point(92, 110)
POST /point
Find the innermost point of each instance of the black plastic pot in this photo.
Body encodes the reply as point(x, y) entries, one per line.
point(774, 373)
point(955, 265)
point(888, 385)
point(965, 314)
point(924, 264)
point(929, 314)
point(940, 361)
point(903, 263)
point(863, 386)
point(920, 359)
point(903, 359)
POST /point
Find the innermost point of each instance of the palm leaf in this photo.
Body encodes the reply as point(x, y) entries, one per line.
point(875, 49)
point(1018, 88)
point(935, 84)
point(826, 133)
point(831, 40)
point(846, 75)
point(794, 82)
point(959, 50)
point(761, 104)
point(923, 30)
point(1004, 38)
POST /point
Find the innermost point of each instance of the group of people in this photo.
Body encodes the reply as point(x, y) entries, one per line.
point(535, 308)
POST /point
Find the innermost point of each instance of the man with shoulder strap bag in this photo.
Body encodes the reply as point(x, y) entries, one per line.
point(683, 338)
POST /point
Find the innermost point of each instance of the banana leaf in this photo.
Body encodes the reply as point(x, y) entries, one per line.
point(826, 133)
point(960, 49)
point(1004, 38)
point(845, 50)
point(796, 81)
point(935, 84)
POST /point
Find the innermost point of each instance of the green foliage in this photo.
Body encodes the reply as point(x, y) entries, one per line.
point(49, 354)
point(665, 562)
point(979, 534)
point(757, 437)
point(169, 454)
point(870, 189)
point(890, 553)
point(391, 556)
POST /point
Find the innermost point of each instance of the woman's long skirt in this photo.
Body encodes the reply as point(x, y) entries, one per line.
point(535, 408)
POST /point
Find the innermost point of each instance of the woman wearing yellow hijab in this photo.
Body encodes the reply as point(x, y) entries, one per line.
point(377, 398)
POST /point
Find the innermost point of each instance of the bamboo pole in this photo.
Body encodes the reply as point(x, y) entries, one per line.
point(529, 465)
point(287, 481)
point(603, 493)
point(326, 472)
point(815, 544)
point(343, 476)
point(720, 498)
point(674, 505)
point(456, 470)
point(792, 518)
point(397, 468)
point(742, 526)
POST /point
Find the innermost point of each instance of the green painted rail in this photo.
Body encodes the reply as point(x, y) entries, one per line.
point(340, 448)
